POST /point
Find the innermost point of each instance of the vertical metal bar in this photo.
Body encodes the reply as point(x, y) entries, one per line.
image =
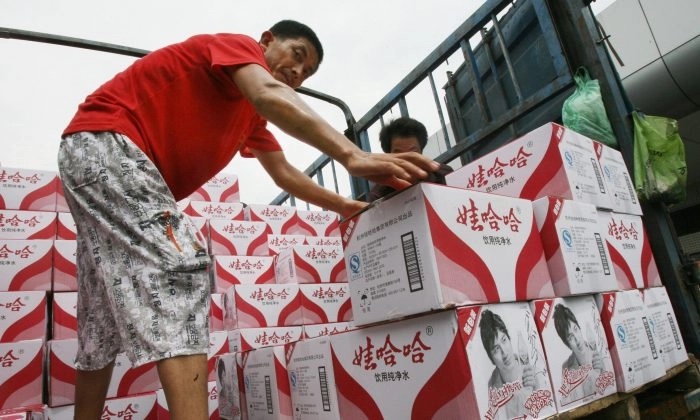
point(551, 39)
point(439, 110)
point(335, 177)
point(292, 201)
point(475, 77)
point(319, 177)
point(506, 57)
point(486, 44)
point(403, 107)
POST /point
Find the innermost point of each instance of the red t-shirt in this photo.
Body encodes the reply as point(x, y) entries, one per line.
point(182, 109)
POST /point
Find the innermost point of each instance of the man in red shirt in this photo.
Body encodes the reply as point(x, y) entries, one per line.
point(152, 135)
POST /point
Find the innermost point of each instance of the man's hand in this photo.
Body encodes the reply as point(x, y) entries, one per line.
point(397, 170)
point(350, 207)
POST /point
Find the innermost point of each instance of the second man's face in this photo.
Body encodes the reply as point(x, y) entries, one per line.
point(405, 144)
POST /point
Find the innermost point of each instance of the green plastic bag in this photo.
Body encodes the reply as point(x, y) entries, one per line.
point(584, 111)
point(660, 171)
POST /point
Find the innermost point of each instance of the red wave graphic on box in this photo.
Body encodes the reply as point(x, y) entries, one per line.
point(64, 273)
point(65, 324)
point(138, 379)
point(623, 272)
point(29, 327)
point(338, 273)
point(24, 387)
point(36, 276)
point(649, 269)
point(307, 272)
point(531, 272)
point(230, 194)
point(62, 381)
point(291, 314)
point(461, 269)
point(285, 393)
point(345, 311)
point(48, 232)
point(441, 398)
point(42, 199)
point(248, 316)
point(354, 402)
point(312, 313)
point(221, 245)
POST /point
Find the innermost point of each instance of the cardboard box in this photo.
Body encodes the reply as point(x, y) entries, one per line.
point(664, 325)
point(212, 210)
point(25, 264)
point(64, 316)
point(281, 219)
point(323, 330)
point(132, 407)
point(573, 239)
point(66, 229)
point(262, 305)
point(233, 237)
point(325, 303)
point(61, 204)
point(324, 241)
point(623, 196)
point(432, 246)
point(548, 161)
point(163, 412)
point(218, 345)
point(27, 189)
point(230, 270)
point(125, 379)
point(23, 316)
point(634, 352)
point(21, 373)
point(23, 224)
point(266, 385)
point(576, 349)
point(202, 226)
point(35, 412)
point(221, 188)
point(630, 252)
point(317, 223)
point(65, 270)
point(229, 376)
point(246, 339)
point(311, 264)
point(216, 312)
point(432, 366)
point(276, 243)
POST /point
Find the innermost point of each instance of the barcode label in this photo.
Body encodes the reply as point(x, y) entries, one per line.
point(674, 330)
point(630, 188)
point(603, 256)
point(598, 175)
point(410, 258)
point(652, 345)
point(268, 395)
point(323, 382)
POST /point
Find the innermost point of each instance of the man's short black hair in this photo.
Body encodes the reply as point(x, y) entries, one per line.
point(403, 127)
point(286, 29)
point(563, 317)
point(489, 325)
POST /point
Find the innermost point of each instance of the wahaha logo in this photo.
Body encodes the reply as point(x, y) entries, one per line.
point(621, 232)
point(266, 340)
point(538, 400)
point(260, 295)
point(318, 218)
point(482, 175)
point(210, 209)
point(6, 251)
point(15, 221)
point(240, 229)
point(368, 356)
point(13, 306)
point(498, 397)
point(322, 254)
point(320, 293)
point(246, 265)
point(8, 359)
point(275, 212)
point(126, 413)
point(284, 242)
point(476, 219)
point(572, 378)
point(216, 181)
point(17, 178)
point(603, 381)
point(327, 242)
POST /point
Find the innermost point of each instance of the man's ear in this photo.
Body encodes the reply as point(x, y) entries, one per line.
point(266, 38)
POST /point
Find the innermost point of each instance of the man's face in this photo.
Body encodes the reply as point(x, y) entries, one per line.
point(502, 352)
point(574, 339)
point(405, 144)
point(291, 60)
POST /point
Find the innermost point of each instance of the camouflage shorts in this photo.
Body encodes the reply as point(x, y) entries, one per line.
point(143, 285)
